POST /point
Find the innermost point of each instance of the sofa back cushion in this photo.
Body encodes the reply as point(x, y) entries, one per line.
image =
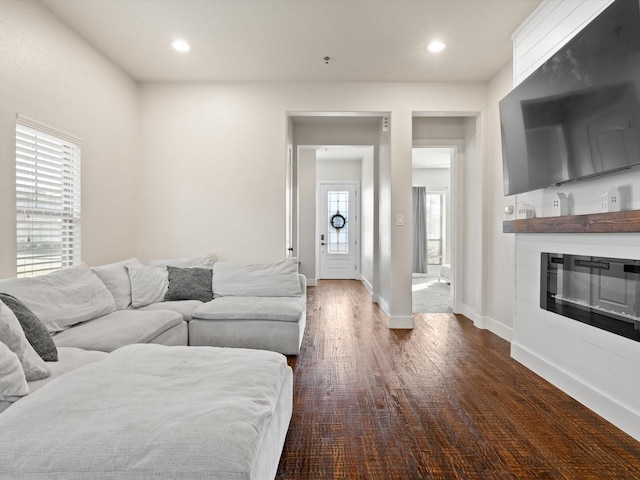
point(116, 278)
point(256, 280)
point(201, 261)
point(148, 284)
point(62, 298)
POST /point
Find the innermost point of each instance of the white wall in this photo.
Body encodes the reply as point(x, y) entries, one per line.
point(435, 179)
point(306, 222)
point(499, 246)
point(342, 170)
point(437, 128)
point(472, 234)
point(384, 281)
point(51, 75)
point(368, 220)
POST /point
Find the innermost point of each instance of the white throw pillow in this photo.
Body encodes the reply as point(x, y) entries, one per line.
point(13, 384)
point(62, 298)
point(201, 261)
point(116, 278)
point(148, 284)
point(256, 280)
point(12, 335)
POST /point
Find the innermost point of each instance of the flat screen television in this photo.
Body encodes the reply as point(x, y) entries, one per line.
point(577, 115)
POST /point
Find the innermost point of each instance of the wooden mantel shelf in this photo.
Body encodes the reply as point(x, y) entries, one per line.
point(610, 222)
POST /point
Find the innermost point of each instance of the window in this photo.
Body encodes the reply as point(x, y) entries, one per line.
point(47, 199)
point(435, 217)
point(338, 201)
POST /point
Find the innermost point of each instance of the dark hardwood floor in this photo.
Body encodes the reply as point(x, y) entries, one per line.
point(441, 401)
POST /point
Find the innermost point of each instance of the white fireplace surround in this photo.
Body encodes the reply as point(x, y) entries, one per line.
point(596, 367)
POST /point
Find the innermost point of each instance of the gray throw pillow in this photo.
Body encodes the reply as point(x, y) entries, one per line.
point(35, 331)
point(189, 284)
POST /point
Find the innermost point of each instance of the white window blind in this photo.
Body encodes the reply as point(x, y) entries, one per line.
point(47, 199)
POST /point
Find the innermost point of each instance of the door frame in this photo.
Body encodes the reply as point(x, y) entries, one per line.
point(456, 210)
point(356, 184)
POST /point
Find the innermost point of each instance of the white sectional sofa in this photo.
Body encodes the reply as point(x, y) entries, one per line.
point(65, 413)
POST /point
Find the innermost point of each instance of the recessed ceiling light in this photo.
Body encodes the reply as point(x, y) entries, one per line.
point(181, 46)
point(436, 46)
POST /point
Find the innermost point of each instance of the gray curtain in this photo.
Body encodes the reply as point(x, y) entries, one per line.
point(419, 230)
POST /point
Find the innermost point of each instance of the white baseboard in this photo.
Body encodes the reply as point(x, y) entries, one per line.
point(366, 284)
point(312, 282)
point(605, 406)
point(382, 304)
point(395, 321)
point(401, 321)
point(487, 323)
point(500, 329)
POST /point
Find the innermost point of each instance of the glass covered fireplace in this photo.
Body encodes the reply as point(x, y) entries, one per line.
point(599, 291)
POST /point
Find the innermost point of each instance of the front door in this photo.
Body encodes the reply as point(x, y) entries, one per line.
point(338, 242)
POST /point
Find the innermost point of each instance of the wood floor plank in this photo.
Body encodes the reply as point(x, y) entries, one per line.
point(441, 401)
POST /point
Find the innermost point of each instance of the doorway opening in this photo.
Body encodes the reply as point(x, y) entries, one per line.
point(337, 149)
point(433, 248)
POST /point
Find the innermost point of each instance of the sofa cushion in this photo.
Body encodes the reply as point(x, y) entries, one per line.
point(70, 358)
point(35, 331)
point(116, 278)
point(117, 329)
point(13, 384)
point(62, 298)
point(148, 284)
point(256, 280)
point(189, 284)
point(183, 307)
point(286, 309)
point(201, 261)
point(12, 336)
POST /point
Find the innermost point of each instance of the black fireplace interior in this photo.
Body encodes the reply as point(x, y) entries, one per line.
point(599, 291)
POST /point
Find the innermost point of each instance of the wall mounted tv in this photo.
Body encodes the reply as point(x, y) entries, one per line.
point(578, 115)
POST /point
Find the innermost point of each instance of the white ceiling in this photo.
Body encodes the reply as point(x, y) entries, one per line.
point(286, 40)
